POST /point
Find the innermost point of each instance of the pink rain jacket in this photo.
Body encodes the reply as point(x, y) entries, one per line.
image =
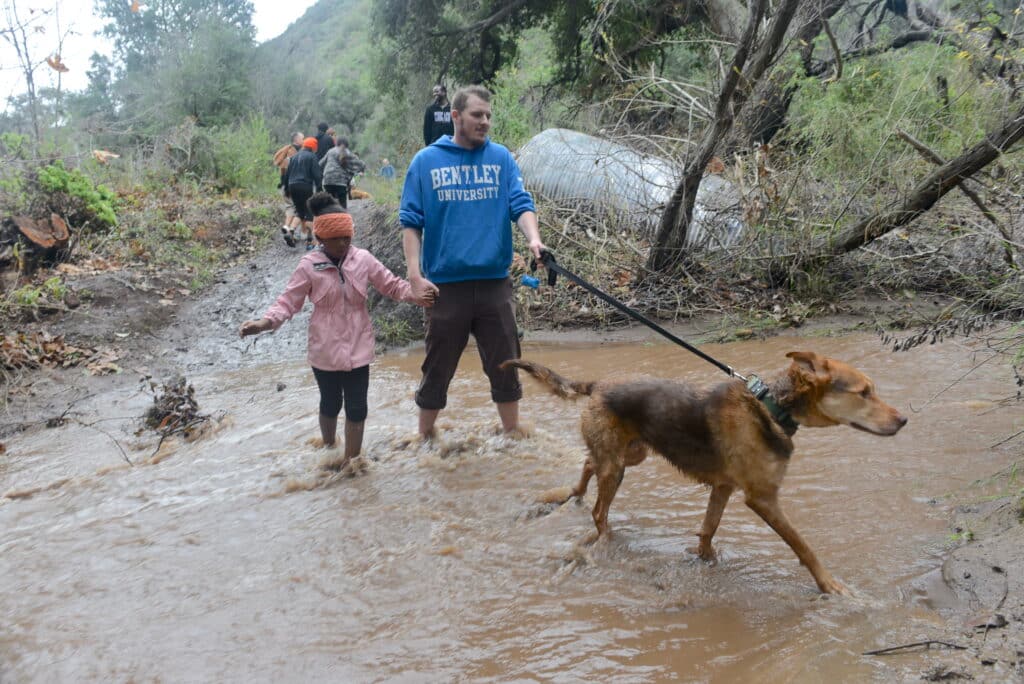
point(340, 331)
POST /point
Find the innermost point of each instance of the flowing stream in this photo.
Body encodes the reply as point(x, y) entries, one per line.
point(237, 557)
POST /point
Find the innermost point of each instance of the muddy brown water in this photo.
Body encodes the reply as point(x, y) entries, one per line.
point(237, 558)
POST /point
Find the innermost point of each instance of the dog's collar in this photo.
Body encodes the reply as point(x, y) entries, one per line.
point(781, 416)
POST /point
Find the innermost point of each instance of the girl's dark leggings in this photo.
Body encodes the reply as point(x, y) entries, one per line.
point(344, 388)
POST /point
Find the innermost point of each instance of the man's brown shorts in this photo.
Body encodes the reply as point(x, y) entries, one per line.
point(486, 309)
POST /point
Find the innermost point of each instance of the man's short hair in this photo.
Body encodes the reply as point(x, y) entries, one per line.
point(462, 96)
point(322, 127)
point(297, 134)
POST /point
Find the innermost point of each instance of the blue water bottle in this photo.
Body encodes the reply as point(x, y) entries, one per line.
point(529, 281)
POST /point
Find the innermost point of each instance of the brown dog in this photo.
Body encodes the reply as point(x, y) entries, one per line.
point(722, 436)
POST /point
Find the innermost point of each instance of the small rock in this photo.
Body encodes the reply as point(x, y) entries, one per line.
point(281, 386)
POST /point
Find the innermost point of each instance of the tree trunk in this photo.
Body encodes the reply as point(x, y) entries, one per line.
point(675, 220)
point(765, 113)
point(668, 249)
point(927, 193)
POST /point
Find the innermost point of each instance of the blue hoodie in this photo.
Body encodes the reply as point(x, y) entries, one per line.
point(463, 202)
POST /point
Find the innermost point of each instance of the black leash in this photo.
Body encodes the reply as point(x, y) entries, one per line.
point(756, 386)
point(548, 259)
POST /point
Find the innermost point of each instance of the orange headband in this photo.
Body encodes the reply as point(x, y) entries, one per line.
point(333, 226)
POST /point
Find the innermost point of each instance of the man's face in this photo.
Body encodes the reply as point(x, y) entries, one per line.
point(473, 122)
point(297, 139)
point(439, 93)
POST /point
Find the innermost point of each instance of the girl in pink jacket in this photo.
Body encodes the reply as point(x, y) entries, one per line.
point(336, 278)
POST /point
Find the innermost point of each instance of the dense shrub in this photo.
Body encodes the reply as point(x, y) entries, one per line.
point(74, 195)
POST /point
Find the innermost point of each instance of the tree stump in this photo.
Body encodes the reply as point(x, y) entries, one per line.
point(26, 243)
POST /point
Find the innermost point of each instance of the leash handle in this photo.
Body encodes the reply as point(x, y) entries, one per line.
point(553, 267)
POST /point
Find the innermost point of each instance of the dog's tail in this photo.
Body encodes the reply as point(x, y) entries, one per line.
point(563, 387)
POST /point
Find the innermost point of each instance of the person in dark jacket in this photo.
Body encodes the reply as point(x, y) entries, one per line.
point(437, 120)
point(340, 166)
point(324, 140)
point(302, 178)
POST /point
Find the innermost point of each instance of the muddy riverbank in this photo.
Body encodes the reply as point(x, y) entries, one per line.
point(964, 587)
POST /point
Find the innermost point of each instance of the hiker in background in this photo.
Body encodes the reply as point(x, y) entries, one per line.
point(336, 279)
point(387, 170)
point(340, 165)
point(281, 159)
point(302, 179)
point(324, 141)
point(437, 119)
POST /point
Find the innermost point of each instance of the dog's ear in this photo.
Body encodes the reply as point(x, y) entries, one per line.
point(810, 361)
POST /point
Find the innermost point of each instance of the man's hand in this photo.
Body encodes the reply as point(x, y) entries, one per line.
point(424, 292)
point(255, 327)
point(536, 247)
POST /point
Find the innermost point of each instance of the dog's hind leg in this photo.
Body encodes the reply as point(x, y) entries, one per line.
point(581, 487)
point(716, 506)
point(561, 495)
point(609, 477)
point(768, 508)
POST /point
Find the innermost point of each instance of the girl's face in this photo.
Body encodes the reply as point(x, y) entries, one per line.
point(336, 247)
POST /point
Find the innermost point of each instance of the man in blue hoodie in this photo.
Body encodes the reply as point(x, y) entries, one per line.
point(461, 195)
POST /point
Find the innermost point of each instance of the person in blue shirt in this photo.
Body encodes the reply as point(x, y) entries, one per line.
point(387, 170)
point(461, 195)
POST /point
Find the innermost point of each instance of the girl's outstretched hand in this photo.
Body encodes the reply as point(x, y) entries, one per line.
point(254, 327)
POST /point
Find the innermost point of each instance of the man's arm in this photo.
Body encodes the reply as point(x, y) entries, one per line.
point(412, 243)
point(527, 223)
point(428, 125)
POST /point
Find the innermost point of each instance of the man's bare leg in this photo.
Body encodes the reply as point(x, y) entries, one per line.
point(427, 419)
point(508, 411)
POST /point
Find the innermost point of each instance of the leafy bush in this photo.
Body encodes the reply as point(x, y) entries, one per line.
point(241, 157)
point(849, 126)
point(74, 195)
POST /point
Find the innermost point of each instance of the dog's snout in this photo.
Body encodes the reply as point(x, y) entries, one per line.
point(901, 419)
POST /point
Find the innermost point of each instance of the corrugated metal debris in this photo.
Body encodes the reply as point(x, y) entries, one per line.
point(625, 185)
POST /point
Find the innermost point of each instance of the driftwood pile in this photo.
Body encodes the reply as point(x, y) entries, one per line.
point(174, 409)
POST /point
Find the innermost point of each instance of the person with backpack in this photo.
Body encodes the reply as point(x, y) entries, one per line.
point(340, 165)
point(281, 159)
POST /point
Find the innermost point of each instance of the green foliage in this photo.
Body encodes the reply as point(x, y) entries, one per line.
point(206, 78)
point(394, 331)
point(513, 122)
point(14, 146)
point(848, 127)
point(87, 202)
point(142, 38)
point(27, 296)
point(240, 157)
point(30, 298)
point(55, 288)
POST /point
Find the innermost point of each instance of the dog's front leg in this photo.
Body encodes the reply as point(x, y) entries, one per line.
point(716, 506)
point(768, 508)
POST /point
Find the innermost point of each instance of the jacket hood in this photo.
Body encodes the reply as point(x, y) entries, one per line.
point(448, 141)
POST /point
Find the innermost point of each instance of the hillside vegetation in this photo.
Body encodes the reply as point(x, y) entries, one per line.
point(844, 128)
